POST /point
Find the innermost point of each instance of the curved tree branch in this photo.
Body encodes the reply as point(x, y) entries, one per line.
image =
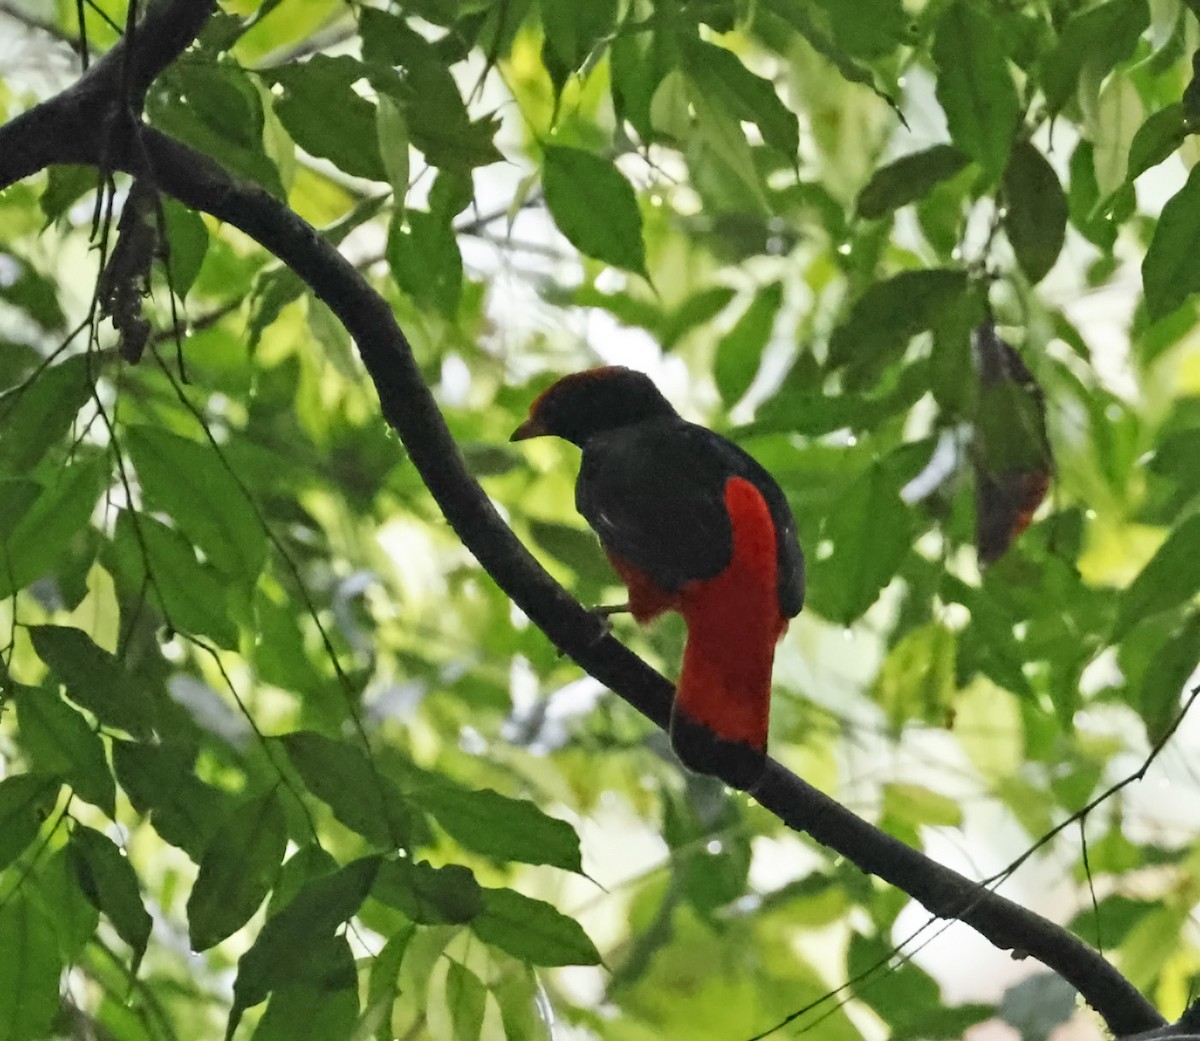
point(70, 128)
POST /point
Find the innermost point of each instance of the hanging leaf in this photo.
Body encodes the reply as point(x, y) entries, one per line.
point(341, 776)
point(25, 799)
point(238, 869)
point(30, 967)
point(497, 826)
point(298, 945)
point(594, 207)
point(907, 179)
point(108, 881)
point(974, 86)
point(191, 483)
point(739, 351)
point(1171, 577)
point(532, 930)
point(1171, 267)
point(1035, 216)
point(869, 530)
point(41, 534)
point(429, 895)
point(59, 741)
point(94, 678)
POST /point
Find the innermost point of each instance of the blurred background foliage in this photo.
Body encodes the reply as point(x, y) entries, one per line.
point(244, 660)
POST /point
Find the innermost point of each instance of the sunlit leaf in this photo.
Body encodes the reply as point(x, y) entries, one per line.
point(41, 533)
point(1171, 577)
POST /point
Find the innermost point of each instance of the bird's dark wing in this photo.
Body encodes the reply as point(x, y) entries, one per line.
point(654, 493)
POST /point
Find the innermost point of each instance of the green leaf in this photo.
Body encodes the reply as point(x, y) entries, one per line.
point(423, 253)
point(383, 986)
point(30, 967)
point(888, 315)
point(298, 944)
point(188, 481)
point(1171, 267)
point(572, 31)
point(66, 184)
point(326, 116)
point(71, 914)
point(108, 881)
point(341, 776)
point(870, 28)
point(25, 799)
point(466, 997)
point(907, 179)
point(1036, 211)
point(518, 995)
point(32, 292)
point(695, 311)
point(434, 111)
point(798, 14)
point(720, 74)
point(428, 895)
point(392, 130)
point(739, 351)
point(575, 547)
point(192, 597)
point(974, 86)
point(917, 679)
point(1158, 700)
point(94, 678)
point(307, 1013)
point(187, 240)
point(496, 826)
point(1170, 578)
point(916, 804)
point(1156, 139)
point(532, 930)
point(160, 779)
point(58, 740)
point(38, 415)
point(869, 530)
point(217, 110)
point(35, 541)
point(594, 207)
point(238, 869)
point(1093, 41)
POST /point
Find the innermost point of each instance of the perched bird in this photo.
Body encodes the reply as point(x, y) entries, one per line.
point(693, 524)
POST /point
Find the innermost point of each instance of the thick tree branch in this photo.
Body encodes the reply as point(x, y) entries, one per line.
point(71, 128)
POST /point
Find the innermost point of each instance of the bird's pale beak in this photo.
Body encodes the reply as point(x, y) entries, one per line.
point(530, 428)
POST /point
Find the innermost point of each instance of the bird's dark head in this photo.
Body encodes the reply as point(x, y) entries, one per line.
point(588, 403)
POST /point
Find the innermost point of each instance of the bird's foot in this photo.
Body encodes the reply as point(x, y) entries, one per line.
point(603, 614)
